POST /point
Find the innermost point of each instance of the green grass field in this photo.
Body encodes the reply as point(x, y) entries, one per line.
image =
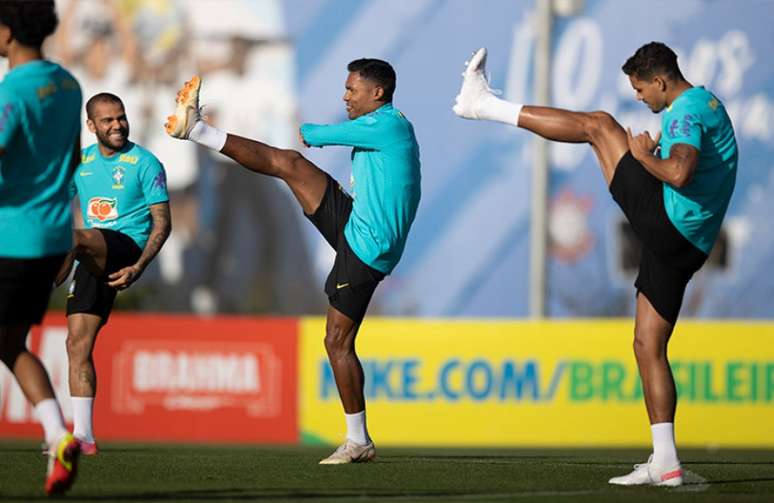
point(134, 472)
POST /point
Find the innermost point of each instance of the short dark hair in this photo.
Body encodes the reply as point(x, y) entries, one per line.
point(100, 98)
point(377, 71)
point(30, 21)
point(653, 59)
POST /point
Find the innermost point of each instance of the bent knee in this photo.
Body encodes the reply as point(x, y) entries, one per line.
point(287, 162)
point(84, 241)
point(600, 123)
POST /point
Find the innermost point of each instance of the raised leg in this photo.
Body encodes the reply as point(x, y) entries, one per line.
point(599, 129)
point(306, 181)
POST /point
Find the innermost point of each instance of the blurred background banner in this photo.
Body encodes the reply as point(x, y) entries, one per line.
point(570, 383)
point(561, 384)
point(240, 244)
point(177, 378)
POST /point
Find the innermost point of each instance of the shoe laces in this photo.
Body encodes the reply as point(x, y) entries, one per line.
point(640, 466)
point(487, 78)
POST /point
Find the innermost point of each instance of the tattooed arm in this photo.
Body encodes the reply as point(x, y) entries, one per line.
point(676, 170)
point(162, 226)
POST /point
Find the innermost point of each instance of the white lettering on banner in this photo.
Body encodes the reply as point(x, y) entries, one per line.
point(14, 407)
point(165, 371)
point(519, 66)
point(245, 376)
point(577, 65)
point(722, 66)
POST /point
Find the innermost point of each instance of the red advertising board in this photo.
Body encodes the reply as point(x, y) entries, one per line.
point(175, 378)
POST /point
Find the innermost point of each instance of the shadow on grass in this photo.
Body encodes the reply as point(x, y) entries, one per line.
point(268, 494)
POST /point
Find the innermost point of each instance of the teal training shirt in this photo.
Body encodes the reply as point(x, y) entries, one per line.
point(385, 181)
point(116, 192)
point(699, 119)
point(40, 117)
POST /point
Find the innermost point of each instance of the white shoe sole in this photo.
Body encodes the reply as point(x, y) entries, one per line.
point(180, 124)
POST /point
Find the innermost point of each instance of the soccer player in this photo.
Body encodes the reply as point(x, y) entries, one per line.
point(123, 195)
point(40, 106)
point(674, 189)
point(368, 230)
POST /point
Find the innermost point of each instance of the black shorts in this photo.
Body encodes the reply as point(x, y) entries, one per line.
point(668, 258)
point(25, 288)
point(90, 294)
point(351, 283)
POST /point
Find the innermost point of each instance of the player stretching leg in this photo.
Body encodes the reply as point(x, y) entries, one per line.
point(673, 189)
point(40, 105)
point(123, 194)
point(368, 230)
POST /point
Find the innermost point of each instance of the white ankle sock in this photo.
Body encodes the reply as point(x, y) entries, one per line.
point(494, 109)
point(50, 416)
point(209, 136)
point(83, 407)
point(664, 450)
point(356, 428)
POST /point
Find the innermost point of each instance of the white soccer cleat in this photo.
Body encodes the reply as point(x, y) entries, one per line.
point(475, 87)
point(651, 474)
point(350, 452)
point(187, 112)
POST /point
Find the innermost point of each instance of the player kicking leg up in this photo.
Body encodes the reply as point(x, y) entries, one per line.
point(656, 189)
point(368, 232)
point(125, 209)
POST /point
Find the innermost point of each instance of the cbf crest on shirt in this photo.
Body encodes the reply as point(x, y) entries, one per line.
point(116, 192)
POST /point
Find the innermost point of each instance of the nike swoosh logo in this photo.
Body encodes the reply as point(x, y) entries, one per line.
point(339, 286)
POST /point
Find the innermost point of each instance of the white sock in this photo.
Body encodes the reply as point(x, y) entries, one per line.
point(83, 407)
point(494, 109)
point(209, 136)
point(50, 416)
point(356, 428)
point(664, 450)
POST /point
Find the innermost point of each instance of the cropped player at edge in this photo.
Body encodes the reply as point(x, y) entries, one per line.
point(674, 189)
point(368, 229)
point(124, 203)
point(40, 106)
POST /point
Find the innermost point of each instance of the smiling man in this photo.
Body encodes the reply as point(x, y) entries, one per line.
point(368, 229)
point(124, 203)
point(673, 189)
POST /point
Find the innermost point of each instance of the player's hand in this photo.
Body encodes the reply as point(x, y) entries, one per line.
point(122, 278)
point(301, 139)
point(642, 145)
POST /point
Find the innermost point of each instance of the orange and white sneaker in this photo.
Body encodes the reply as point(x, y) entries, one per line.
point(351, 452)
point(651, 474)
point(62, 465)
point(88, 448)
point(187, 112)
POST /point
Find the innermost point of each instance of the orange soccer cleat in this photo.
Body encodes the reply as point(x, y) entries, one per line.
point(62, 465)
point(187, 113)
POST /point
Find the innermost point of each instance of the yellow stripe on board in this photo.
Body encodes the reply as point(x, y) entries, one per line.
point(521, 383)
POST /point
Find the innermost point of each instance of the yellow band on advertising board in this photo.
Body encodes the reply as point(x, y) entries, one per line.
point(521, 383)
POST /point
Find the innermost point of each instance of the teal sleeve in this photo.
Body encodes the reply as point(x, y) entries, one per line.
point(9, 118)
point(685, 125)
point(154, 182)
point(364, 132)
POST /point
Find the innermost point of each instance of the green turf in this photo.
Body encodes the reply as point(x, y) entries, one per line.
point(162, 473)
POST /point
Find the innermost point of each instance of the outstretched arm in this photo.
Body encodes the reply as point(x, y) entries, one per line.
point(364, 132)
point(162, 226)
point(677, 170)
